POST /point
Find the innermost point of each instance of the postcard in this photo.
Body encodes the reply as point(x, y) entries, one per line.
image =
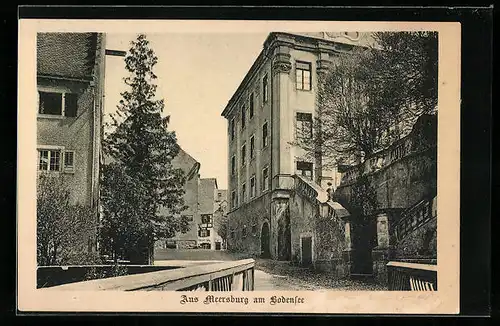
point(238, 166)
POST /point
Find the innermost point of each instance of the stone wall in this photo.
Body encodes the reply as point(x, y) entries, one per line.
point(402, 183)
point(245, 225)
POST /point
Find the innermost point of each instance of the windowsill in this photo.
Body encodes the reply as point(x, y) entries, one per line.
point(50, 116)
point(49, 171)
point(304, 90)
point(265, 147)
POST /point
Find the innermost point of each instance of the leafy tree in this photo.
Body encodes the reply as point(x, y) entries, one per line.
point(370, 97)
point(64, 230)
point(142, 193)
point(221, 222)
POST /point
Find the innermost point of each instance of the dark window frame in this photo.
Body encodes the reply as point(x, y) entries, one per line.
point(265, 89)
point(67, 107)
point(304, 125)
point(265, 135)
point(303, 166)
point(301, 67)
point(251, 105)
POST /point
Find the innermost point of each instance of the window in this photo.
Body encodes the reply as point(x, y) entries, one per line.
point(252, 187)
point(232, 129)
point(233, 199)
point(203, 233)
point(243, 192)
point(303, 75)
point(264, 135)
point(304, 125)
point(243, 154)
point(53, 103)
point(70, 104)
point(264, 89)
point(206, 218)
point(252, 147)
point(69, 161)
point(233, 165)
point(251, 105)
point(305, 169)
point(243, 117)
point(254, 229)
point(188, 218)
point(265, 178)
point(232, 235)
point(244, 231)
point(49, 160)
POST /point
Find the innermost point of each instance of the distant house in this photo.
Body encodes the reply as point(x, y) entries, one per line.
point(209, 204)
point(70, 83)
point(202, 198)
point(191, 169)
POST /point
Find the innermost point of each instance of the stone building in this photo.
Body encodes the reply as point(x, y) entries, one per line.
point(208, 206)
point(191, 169)
point(202, 198)
point(275, 206)
point(70, 83)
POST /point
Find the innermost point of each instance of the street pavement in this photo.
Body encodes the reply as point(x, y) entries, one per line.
point(264, 280)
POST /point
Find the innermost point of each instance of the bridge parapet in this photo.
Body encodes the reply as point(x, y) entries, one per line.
point(226, 276)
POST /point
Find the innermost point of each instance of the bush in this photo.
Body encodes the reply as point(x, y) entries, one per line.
point(65, 232)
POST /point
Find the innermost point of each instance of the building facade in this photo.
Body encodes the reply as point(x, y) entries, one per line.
point(191, 169)
point(274, 104)
point(70, 82)
point(202, 198)
point(276, 98)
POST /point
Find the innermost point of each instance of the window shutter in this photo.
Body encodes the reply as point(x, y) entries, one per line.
point(70, 105)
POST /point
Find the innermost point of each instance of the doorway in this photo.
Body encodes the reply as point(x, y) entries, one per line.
point(306, 251)
point(364, 238)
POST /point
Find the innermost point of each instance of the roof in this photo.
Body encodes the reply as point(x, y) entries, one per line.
point(186, 163)
point(66, 54)
point(363, 40)
point(182, 161)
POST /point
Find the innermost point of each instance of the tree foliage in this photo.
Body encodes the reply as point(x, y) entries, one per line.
point(141, 192)
point(370, 97)
point(64, 230)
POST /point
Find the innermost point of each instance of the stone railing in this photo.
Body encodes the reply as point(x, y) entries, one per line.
point(415, 216)
point(411, 277)
point(48, 276)
point(226, 276)
point(416, 141)
point(317, 194)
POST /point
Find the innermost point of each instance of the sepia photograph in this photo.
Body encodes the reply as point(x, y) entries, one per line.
point(268, 160)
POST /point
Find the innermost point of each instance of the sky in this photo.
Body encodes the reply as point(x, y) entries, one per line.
point(197, 75)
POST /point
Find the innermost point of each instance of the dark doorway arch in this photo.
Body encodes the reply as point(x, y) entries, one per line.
point(364, 239)
point(264, 241)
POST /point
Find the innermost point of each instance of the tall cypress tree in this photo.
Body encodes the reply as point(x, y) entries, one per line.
point(139, 182)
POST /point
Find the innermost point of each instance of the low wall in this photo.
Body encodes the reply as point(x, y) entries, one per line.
point(48, 276)
point(226, 276)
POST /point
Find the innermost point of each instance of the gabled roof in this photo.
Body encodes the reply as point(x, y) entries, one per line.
point(186, 163)
point(66, 54)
